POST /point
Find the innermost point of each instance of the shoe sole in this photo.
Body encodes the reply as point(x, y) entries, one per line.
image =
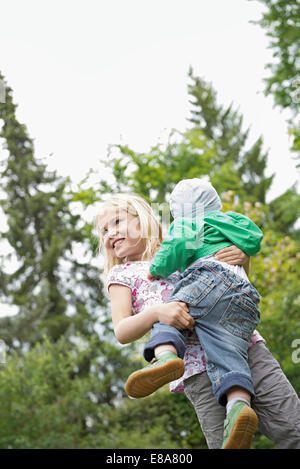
point(242, 432)
point(143, 383)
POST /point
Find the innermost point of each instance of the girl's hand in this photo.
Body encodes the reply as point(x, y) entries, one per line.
point(233, 256)
point(152, 277)
point(176, 314)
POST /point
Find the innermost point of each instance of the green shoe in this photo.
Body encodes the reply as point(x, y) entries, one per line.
point(144, 382)
point(239, 427)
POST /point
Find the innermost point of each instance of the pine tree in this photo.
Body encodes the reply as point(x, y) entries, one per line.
point(251, 171)
point(223, 126)
point(55, 293)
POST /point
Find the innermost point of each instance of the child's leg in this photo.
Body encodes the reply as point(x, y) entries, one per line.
point(236, 394)
point(165, 344)
point(210, 414)
point(241, 421)
point(224, 308)
point(225, 317)
point(229, 373)
point(166, 368)
point(163, 334)
point(164, 348)
point(276, 404)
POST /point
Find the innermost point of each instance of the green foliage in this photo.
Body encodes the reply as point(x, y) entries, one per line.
point(262, 442)
point(163, 420)
point(232, 166)
point(58, 297)
point(294, 132)
point(216, 147)
point(49, 403)
point(54, 292)
point(285, 210)
point(275, 272)
point(281, 22)
point(154, 174)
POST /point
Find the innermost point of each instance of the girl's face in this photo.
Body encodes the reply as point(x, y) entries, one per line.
point(122, 235)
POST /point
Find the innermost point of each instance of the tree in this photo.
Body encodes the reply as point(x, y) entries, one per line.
point(55, 293)
point(50, 404)
point(62, 354)
point(285, 210)
point(216, 146)
point(281, 21)
point(223, 126)
point(163, 420)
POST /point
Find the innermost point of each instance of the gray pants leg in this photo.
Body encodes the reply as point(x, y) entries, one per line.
point(211, 415)
point(276, 404)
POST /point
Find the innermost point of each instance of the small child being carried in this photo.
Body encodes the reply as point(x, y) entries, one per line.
point(220, 298)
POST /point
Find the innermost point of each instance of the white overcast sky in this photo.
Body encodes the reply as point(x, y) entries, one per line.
point(89, 73)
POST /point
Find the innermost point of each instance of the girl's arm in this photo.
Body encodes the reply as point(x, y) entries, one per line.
point(129, 328)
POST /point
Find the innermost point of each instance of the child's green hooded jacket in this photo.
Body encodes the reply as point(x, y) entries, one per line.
point(200, 229)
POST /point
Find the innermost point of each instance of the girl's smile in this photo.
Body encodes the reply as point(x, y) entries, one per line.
point(117, 242)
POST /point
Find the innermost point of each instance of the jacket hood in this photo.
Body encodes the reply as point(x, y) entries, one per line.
point(194, 198)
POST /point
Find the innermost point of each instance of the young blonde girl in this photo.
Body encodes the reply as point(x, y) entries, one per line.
point(131, 235)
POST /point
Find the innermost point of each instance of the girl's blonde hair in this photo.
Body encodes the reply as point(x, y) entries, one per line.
point(151, 230)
